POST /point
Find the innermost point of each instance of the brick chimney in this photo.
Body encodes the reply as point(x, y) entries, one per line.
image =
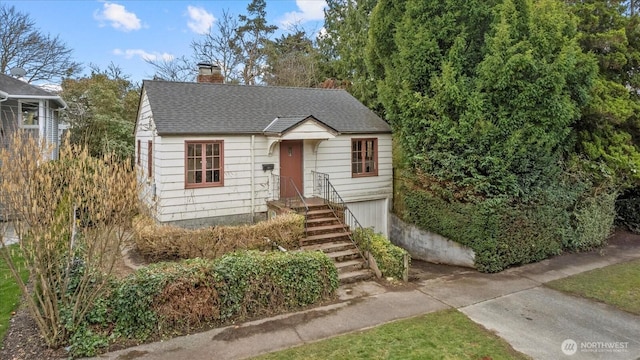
point(208, 73)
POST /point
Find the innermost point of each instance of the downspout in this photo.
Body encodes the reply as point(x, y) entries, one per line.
point(253, 180)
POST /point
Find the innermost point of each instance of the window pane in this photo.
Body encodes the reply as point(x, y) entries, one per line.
point(369, 166)
point(203, 163)
point(29, 114)
point(370, 148)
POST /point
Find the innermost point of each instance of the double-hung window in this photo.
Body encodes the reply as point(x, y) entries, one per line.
point(204, 163)
point(364, 157)
point(28, 113)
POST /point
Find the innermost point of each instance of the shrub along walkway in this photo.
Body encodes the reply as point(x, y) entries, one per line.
point(535, 320)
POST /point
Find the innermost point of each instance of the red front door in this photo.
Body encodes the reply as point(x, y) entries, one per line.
point(290, 168)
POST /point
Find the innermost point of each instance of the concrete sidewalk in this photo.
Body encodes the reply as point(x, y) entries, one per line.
point(533, 319)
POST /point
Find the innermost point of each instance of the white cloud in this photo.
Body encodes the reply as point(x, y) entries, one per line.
point(308, 10)
point(200, 19)
point(118, 17)
point(153, 56)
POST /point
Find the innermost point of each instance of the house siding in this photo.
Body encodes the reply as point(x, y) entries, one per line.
point(367, 197)
point(334, 158)
point(145, 132)
point(230, 203)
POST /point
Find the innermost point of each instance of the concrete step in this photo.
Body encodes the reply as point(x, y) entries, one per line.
point(354, 276)
point(325, 229)
point(331, 220)
point(344, 255)
point(329, 246)
point(322, 213)
point(350, 265)
point(322, 238)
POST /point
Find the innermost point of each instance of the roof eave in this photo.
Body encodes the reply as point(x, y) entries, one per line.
point(39, 97)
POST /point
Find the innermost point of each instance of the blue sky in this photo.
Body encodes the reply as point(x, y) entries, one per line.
point(126, 32)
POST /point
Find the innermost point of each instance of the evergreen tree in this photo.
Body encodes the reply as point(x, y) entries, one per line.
point(250, 40)
point(609, 129)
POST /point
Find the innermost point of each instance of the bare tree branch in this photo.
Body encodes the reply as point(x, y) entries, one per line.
point(177, 69)
point(216, 47)
point(42, 56)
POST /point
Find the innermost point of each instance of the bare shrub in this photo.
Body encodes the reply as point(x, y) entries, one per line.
point(72, 216)
point(165, 242)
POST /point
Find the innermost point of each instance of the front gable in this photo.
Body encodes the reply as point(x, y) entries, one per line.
point(298, 128)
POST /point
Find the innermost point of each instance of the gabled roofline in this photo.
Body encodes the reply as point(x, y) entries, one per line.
point(302, 120)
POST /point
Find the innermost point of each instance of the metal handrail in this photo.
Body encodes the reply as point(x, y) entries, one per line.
point(323, 188)
point(288, 201)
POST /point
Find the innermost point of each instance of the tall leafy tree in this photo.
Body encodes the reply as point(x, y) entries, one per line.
point(292, 60)
point(250, 41)
point(343, 46)
point(23, 45)
point(609, 129)
point(102, 111)
point(496, 114)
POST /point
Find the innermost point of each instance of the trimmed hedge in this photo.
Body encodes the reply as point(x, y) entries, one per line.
point(167, 299)
point(505, 231)
point(389, 257)
point(166, 242)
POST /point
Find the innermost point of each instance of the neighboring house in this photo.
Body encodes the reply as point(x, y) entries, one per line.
point(28, 107)
point(215, 154)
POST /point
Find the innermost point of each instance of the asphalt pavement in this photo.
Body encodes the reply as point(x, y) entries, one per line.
point(535, 320)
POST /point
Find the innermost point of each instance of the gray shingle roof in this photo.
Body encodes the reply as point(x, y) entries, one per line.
point(201, 108)
point(17, 87)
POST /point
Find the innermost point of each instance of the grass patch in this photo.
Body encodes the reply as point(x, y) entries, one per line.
point(445, 334)
point(617, 285)
point(9, 290)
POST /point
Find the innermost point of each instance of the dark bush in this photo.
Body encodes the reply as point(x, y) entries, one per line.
point(628, 210)
point(505, 231)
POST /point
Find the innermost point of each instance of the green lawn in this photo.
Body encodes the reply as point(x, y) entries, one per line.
point(617, 285)
point(9, 291)
point(446, 334)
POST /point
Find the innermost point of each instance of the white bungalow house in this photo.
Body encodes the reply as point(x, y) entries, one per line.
point(211, 153)
point(28, 107)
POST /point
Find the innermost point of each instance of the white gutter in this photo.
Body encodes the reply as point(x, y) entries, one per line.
point(39, 97)
point(253, 174)
point(3, 96)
